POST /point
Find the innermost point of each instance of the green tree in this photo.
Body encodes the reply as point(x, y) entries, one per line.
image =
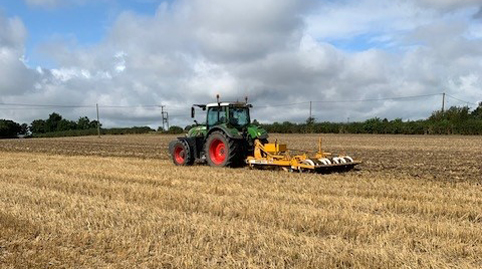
point(373, 126)
point(310, 121)
point(52, 122)
point(309, 126)
point(66, 125)
point(9, 128)
point(83, 123)
point(454, 114)
point(38, 127)
point(477, 113)
point(23, 129)
point(175, 130)
point(93, 124)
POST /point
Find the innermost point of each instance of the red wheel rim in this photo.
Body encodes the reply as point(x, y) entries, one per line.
point(217, 151)
point(179, 154)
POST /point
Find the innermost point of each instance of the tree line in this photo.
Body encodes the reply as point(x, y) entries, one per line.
point(56, 123)
point(455, 120)
point(55, 126)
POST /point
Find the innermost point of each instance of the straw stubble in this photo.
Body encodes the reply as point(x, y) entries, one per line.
point(119, 202)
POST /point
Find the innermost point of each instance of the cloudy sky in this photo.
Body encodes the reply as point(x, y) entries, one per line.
point(349, 57)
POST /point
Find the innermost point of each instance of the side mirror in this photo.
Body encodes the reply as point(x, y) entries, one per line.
point(192, 112)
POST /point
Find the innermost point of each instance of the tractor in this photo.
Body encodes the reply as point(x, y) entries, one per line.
point(229, 139)
point(225, 140)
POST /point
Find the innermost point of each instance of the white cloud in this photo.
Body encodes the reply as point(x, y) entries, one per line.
point(121, 63)
point(345, 20)
point(15, 77)
point(12, 32)
point(274, 51)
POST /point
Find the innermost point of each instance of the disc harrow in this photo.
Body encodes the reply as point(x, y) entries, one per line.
point(274, 155)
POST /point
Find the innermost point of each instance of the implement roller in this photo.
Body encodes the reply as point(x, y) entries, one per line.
point(275, 155)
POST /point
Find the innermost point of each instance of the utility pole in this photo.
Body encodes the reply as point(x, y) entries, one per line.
point(443, 102)
point(162, 116)
point(167, 120)
point(310, 111)
point(98, 120)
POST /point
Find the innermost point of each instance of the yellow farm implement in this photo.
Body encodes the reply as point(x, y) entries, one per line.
point(275, 155)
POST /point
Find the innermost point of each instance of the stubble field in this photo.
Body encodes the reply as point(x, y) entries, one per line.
point(119, 202)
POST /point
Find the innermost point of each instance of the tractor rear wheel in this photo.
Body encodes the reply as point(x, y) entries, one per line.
point(221, 151)
point(181, 153)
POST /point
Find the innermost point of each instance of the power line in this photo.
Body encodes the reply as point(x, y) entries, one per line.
point(273, 105)
point(463, 101)
point(46, 105)
point(179, 116)
point(20, 106)
point(36, 108)
point(285, 104)
point(355, 100)
point(75, 106)
point(23, 106)
point(130, 106)
point(378, 99)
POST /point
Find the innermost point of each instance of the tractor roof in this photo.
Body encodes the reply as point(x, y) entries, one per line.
point(240, 104)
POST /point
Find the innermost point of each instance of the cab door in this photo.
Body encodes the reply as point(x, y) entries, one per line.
point(216, 115)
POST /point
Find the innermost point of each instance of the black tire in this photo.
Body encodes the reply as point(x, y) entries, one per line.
point(181, 153)
point(229, 154)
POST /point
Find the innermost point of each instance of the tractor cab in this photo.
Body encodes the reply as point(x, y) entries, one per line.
point(228, 114)
point(232, 118)
point(232, 114)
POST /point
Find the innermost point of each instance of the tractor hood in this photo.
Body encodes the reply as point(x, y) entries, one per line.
point(256, 132)
point(198, 130)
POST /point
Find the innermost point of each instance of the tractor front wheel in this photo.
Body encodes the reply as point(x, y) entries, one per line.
point(221, 151)
point(181, 153)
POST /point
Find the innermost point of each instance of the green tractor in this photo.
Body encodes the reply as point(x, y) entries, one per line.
point(225, 140)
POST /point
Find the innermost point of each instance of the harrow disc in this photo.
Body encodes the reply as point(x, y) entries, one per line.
point(348, 159)
point(307, 170)
point(325, 161)
point(309, 162)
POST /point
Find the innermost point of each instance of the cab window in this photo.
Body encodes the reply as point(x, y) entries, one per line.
point(216, 115)
point(239, 116)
